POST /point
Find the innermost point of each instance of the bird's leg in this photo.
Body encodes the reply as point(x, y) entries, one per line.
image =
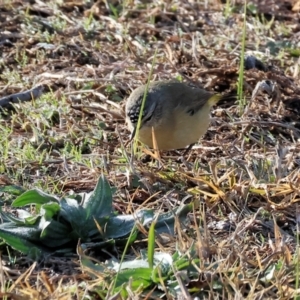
point(186, 151)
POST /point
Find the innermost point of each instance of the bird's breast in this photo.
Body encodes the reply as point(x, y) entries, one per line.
point(178, 130)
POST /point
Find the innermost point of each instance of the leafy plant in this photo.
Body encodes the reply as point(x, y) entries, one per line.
point(56, 225)
point(141, 275)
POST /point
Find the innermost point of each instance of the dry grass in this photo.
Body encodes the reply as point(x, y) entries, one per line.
point(244, 174)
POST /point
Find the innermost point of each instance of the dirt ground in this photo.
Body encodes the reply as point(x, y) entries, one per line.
point(89, 55)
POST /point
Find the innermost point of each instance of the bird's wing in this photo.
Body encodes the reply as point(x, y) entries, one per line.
point(192, 99)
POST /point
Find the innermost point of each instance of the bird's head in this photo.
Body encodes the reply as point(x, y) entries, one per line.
point(150, 114)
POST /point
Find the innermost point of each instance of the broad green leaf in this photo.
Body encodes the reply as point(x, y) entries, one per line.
point(53, 229)
point(91, 267)
point(35, 196)
point(119, 226)
point(77, 218)
point(43, 225)
point(99, 204)
point(55, 234)
point(23, 214)
point(131, 264)
point(140, 277)
point(8, 217)
point(164, 259)
point(30, 233)
point(67, 252)
point(12, 190)
point(100, 245)
point(5, 216)
point(158, 275)
point(48, 210)
point(25, 218)
point(22, 245)
point(71, 211)
point(163, 266)
point(32, 220)
point(70, 202)
point(184, 263)
point(166, 222)
point(58, 243)
point(130, 239)
point(145, 216)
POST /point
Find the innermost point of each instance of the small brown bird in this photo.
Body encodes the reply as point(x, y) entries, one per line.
point(178, 113)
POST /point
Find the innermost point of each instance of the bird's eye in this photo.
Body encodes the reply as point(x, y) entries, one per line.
point(135, 117)
point(191, 112)
point(148, 119)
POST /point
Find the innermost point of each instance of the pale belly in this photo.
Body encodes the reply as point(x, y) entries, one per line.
point(179, 131)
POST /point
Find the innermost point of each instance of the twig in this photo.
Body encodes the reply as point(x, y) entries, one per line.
point(252, 122)
point(34, 93)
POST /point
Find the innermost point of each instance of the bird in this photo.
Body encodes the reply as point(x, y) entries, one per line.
point(178, 113)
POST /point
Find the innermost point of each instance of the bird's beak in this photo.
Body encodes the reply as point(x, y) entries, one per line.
point(132, 134)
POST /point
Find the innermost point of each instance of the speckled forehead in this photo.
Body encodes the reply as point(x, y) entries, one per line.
point(134, 111)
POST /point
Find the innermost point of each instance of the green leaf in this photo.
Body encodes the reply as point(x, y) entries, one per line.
point(151, 244)
point(145, 216)
point(31, 233)
point(184, 262)
point(95, 268)
point(166, 222)
point(76, 215)
point(8, 217)
point(48, 210)
point(131, 264)
point(71, 211)
point(22, 245)
point(99, 204)
point(157, 276)
point(23, 214)
point(163, 267)
point(35, 196)
point(55, 234)
point(163, 259)
point(295, 52)
point(32, 220)
point(140, 278)
point(100, 245)
point(12, 190)
point(119, 226)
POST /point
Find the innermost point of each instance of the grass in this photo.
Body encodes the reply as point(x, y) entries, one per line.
point(142, 106)
point(240, 89)
point(239, 242)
